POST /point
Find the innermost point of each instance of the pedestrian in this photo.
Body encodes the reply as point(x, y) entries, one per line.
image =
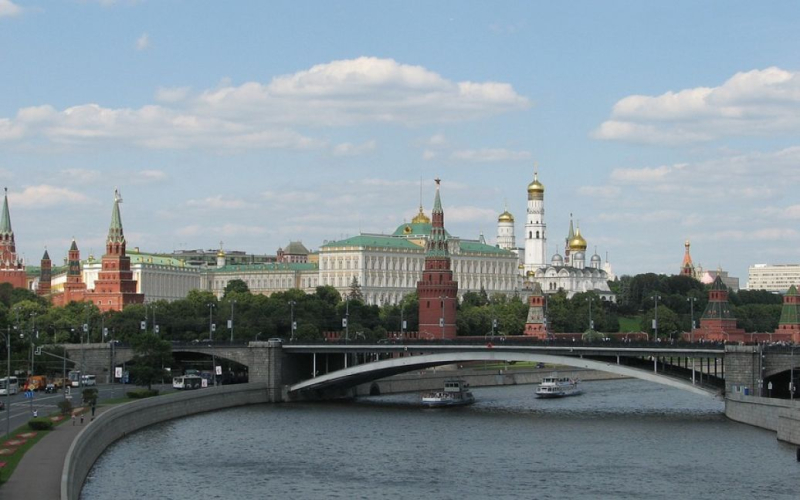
point(81, 418)
point(93, 408)
point(73, 419)
point(35, 413)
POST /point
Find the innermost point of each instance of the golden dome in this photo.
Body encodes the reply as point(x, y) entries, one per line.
point(505, 217)
point(577, 242)
point(221, 253)
point(421, 218)
point(530, 274)
point(535, 186)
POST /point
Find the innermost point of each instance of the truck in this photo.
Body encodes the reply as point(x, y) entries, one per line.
point(36, 383)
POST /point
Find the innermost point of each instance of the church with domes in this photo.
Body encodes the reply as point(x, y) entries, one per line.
point(568, 272)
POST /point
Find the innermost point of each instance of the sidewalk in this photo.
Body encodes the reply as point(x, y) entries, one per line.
point(38, 475)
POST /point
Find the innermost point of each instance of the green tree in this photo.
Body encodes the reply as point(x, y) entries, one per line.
point(355, 290)
point(151, 356)
point(235, 286)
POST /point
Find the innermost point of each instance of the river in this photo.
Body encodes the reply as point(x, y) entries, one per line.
point(621, 439)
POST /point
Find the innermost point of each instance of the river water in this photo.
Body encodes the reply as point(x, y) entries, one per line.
point(621, 439)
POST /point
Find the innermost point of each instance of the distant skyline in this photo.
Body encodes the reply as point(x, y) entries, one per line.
point(259, 123)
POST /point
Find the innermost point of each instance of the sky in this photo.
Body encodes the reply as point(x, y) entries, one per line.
point(259, 123)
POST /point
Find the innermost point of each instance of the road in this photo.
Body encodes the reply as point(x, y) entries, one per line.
point(22, 407)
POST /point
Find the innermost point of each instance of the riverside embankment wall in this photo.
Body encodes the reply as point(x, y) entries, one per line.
point(779, 415)
point(427, 380)
point(122, 420)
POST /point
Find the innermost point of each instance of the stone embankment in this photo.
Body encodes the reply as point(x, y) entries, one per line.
point(778, 415)
point(122, 420)
point(426, 380)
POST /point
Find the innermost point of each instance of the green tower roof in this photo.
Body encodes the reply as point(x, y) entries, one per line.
point(790, 312)
point(115, 233)
point(5, 221)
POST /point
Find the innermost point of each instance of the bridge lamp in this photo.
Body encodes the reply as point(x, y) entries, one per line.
point(441, 320)
point(655, 319)
point(292, 325)
point(691, 301)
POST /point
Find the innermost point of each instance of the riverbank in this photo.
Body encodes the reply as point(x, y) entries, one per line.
point(476, 376)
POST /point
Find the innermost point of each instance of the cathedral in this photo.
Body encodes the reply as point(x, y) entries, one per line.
point(569, 272)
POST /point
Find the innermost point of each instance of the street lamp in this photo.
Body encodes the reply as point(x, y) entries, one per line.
point(441, 320)
point(791, 377)
point(8, 382)
point(402, 321)
point(291, 320)
point(655, 321)
point(346, 319)
point(233, 303)
point(591, 323)
point(691, 301)
point(211, 321)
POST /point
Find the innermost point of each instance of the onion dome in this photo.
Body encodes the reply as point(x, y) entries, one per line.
point(505, 217)
point(530, 274)
point(536, 187)
point(421, 218)
point(557, 260)
point(577, 242)
point(595, 257)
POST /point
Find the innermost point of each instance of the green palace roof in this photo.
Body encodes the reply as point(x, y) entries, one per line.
point(369, 240)
point(415, 229)
point(291, 266)
point(37, 271)
point(398, 242)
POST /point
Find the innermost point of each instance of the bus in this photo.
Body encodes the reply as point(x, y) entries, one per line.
point(187, 382)
point(89, 380)
point(9, 385)
point(74, 378)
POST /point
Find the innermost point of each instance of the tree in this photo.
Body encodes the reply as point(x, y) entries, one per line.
point(355, 290)
point(237, 286)
point(151, 355)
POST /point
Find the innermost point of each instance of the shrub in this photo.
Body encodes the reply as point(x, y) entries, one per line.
point(65, 406)
point(40, 424)
point(89, 396)
point(142, 393)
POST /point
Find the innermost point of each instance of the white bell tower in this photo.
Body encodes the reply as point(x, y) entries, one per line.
point(535, 237)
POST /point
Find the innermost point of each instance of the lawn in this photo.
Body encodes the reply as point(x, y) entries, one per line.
point(630, 324)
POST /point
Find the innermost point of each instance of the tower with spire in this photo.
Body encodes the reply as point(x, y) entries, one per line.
point(12, 269)
point(115, 287)
point(718, 322)
point(45, 276)
point(438, 292)
point(687, 267)
point(535, 237)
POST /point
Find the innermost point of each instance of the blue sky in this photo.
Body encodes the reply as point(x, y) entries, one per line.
point(257, 123)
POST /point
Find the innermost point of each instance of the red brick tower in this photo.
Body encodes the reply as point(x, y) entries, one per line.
point(115, 287)
point(536, 325)
point(438, 293)
point(46, 275)
point(687, 268)
point(718, 322)
point(12, 270)
point(789, 324)
point(74, 288)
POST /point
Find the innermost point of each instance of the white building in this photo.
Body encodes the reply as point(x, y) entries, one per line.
point(387, 267)
point(569, 272)
point(773, 277)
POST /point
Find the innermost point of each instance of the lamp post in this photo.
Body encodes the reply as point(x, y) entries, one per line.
point(233, 303)
point(402, 321)
point(591, 323)
point(655, 321)
point(691, 301)
point(8, 381)
point(292, 303)
point(791, 377)
point(211, 339)
point(347, 319)
point(441, 320)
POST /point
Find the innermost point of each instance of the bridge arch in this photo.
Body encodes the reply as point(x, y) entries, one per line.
point(356, 375)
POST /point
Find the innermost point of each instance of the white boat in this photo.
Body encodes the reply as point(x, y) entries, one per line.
point(558, 387)
point(455, 393)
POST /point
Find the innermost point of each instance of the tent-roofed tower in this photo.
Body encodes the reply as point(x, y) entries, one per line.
point(687, 267)
point(115, 287)
point(45, 276)
point(789, 324)
point(12, 269)
point(438, 293)
point(718, 322)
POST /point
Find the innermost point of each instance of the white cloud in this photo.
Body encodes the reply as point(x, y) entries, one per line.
point(143, 42)
point(260, 116)
point(437, 140)
point(428, 155)
point(489, 155)
point(219, 203)
point(753, 103)
point(9, 8)
point(458, 214)
point(349, 149)
point(45, 196)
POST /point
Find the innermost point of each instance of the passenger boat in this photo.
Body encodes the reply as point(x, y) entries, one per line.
point(557, 387)
point(455, 393)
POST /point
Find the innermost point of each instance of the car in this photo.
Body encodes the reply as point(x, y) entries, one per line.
point(50, 388)
point(275, 339)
